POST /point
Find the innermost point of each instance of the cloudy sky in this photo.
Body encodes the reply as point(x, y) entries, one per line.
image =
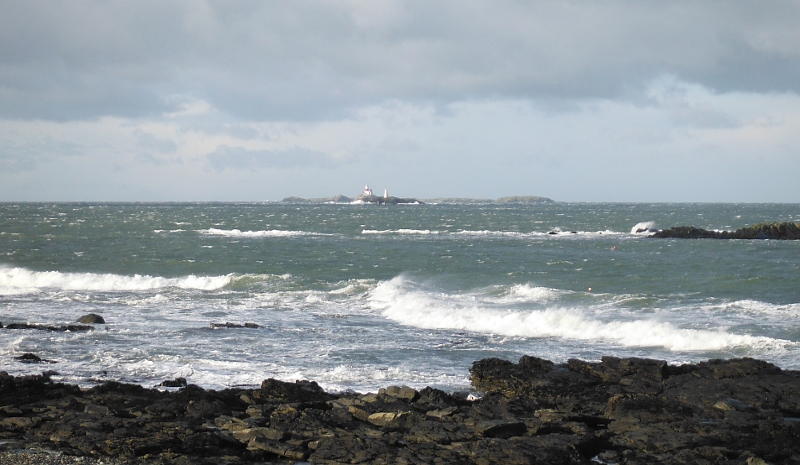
point(635, 100)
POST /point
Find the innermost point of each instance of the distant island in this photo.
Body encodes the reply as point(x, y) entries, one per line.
point(368, 197)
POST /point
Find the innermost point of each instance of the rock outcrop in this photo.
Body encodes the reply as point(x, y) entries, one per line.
point(780, 231)
point(623, 411)
point(92, 318)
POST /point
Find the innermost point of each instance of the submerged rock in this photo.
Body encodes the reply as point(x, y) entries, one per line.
point(92, 318)
point(234, 325)
point(32, 358)
point(50, 327)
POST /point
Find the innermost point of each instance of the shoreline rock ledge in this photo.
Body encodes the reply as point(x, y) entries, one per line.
point(618, 410)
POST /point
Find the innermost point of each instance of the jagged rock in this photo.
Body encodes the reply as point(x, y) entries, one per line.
point(402, 420)
point(780, 231)
point(400, 392)
point(177, 382)
point(92, 318)
point(617, 410)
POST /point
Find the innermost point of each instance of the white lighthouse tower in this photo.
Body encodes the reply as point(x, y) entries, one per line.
point(367, 190)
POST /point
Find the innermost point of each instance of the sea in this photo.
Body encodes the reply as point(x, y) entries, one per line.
point(358, 297)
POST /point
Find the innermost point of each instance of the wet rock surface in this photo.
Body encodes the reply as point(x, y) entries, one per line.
point(54, 328)
point(229, 325)
point(92, 318)
point(630, 410)
point(779, 231)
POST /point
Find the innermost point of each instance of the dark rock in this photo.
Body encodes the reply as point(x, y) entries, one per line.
point(400, 392)
point(780, 231)
point(29, 358)
point(33, 358)
point(234, 325)
point(617, 410)
point(500, 428)
point(73, 328)
point(92, 318)
point(177, 382)
point(299, 391)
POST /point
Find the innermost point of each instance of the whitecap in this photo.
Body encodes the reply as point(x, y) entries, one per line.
point(256, 234)
point(395, 300)
point(24, 281)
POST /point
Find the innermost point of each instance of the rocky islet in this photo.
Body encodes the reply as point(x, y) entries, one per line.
point(777, 231)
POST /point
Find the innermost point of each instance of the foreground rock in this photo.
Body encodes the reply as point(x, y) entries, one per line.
point(780, 231)
point(616, 411)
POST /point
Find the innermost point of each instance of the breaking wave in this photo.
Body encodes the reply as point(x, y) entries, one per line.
point(400, 301)
point(645, 227)
point(253, 234)
point(422, 232)
point(23, 281)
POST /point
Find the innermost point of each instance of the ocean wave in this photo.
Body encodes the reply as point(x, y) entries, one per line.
point(528, 293)
point(399, 301)
point(645, 227)
point(254, 234)
point(757, 309)
point(23, 281)
point(555, 232)
point(422, 232)
point(485, 233)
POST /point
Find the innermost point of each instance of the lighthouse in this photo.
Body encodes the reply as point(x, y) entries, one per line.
point(367, 190)
point(386, 193)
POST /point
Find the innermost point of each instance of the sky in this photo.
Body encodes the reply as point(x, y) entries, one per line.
point(582, 101)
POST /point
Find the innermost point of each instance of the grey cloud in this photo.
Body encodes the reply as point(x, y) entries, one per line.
point(240, 158)
point(26, 156)
point(319, 59)
point(151, 142)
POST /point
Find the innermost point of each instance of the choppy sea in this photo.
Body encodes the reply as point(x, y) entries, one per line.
point(363, 296)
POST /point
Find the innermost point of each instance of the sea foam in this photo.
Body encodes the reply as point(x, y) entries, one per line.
point(256, 234)
point(23, 281)
point(401, 302)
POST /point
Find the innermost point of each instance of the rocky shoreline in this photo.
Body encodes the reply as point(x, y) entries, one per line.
point(624, 411)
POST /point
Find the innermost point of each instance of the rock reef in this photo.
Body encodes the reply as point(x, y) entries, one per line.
point(618, 410)
point(779, 231)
